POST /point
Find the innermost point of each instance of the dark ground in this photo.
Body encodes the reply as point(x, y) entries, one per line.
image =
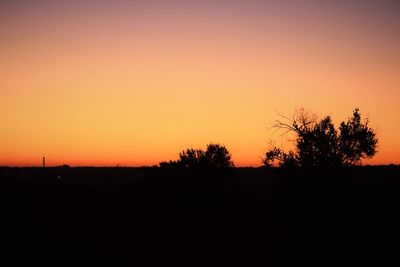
point(336, 217)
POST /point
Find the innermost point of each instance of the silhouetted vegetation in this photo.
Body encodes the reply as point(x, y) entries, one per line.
point(319, 143)
point(216, 156)
point(328, 216)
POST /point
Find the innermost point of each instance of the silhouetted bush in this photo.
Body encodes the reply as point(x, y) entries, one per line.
point(215, 157)
point(318, 143)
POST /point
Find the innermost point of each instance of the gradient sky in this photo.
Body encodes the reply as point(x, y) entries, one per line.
point(135, 82)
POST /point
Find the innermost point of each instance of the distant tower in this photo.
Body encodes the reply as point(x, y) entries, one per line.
point(44, 162)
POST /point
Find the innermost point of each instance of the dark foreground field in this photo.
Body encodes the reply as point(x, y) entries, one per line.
point(346, 217)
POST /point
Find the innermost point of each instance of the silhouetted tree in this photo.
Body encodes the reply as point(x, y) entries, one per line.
point(216, 156)
point(318, 143)
point(356, 139)
point(191, 158)
point(277, 155)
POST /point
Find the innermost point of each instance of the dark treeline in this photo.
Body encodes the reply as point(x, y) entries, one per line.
point(330, 216)
point(318, 206)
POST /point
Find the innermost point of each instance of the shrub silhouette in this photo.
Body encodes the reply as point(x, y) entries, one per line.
point(318, 143)
point(215, 156)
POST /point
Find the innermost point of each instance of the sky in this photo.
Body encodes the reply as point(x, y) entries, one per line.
point(132, 83)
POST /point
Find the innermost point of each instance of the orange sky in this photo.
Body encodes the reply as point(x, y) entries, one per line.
point(97, 83)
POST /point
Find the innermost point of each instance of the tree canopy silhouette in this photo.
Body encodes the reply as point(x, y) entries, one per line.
point(215, 156)
point(319, 143)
